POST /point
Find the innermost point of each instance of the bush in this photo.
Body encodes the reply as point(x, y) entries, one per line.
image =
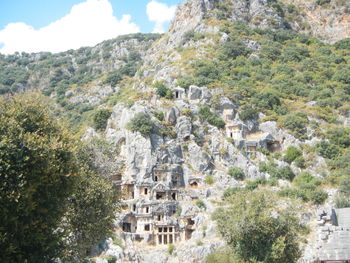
point(327, 150)
point(113, 78)
point(159, 115)
point(300, 162)
point(201, 204)
point(296, 123)
point(342, 201)
point(291, 154)
point(209, 179)
point(111, 259)
point(339, 136)
point(100, 118)
point(141, 123)
point(343, 44)
point(236, 173)
point(212, 118)
point(266, 100)
point(233, 49)
point(253, 184)
point(171, 248)
point(318, 197)
point(248, 113)
point(254, 233)
point(222, 256)
point(162, 90)
point(342, 75)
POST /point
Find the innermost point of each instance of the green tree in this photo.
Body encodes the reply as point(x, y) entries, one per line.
point(53, 201)
point(37, 175)
point(212, 118)
point(257, 231)
point(296, 122)
point(248, 113)
point(141, 123)
point(100, 118)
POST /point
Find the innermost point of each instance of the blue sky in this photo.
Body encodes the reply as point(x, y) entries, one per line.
point(22, 20)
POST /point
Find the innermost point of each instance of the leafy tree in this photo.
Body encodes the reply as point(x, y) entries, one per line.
point(248, 113)
point(162, 90)
point(233, 49)
point(296, 122)
point(257, 231)
point(212, 118)
point(141, 123)
point(100, 118)
point(52, 201)
point(113, 78)
point(37, 175)
point(266, 100)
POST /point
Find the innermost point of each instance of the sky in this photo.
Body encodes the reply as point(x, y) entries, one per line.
point(59, 25)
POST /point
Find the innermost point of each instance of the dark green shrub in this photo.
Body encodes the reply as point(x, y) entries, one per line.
point(248, 113)
point(113, 78)
point(100, 118)
point(284, 173)
point(300, 162)
point(271, 50)
point(236, 173)
point(296, 123)
point(342, 75)
point(141, 123)
point(327, 150)
point(253, 184)
point(343, 44)
point(162, 90)
point(322, 2)
point(159, 115)
point(233, 49)
point(292, 153)
point(339, 136)
point(266, 100)
point(205, 114)
point(294, 53)
point(318, 197)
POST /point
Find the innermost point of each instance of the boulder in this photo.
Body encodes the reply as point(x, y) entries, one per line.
point(199, 160)
point(183, 128)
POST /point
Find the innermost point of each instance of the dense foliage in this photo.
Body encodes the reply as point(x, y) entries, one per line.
point(212, 118)
point(100, 118)
point(258, 231)
point(45, 190)
point(141, 123)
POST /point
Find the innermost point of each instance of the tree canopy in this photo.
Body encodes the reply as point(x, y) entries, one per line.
point(45, 191)
point(257, 230)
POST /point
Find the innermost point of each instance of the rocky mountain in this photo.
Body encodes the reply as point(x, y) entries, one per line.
point(237, 94)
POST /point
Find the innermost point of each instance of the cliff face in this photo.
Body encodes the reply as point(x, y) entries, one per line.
point(329, 22)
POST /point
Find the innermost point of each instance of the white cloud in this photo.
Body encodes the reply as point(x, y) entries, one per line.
point(160, 14)
point(87, 24)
